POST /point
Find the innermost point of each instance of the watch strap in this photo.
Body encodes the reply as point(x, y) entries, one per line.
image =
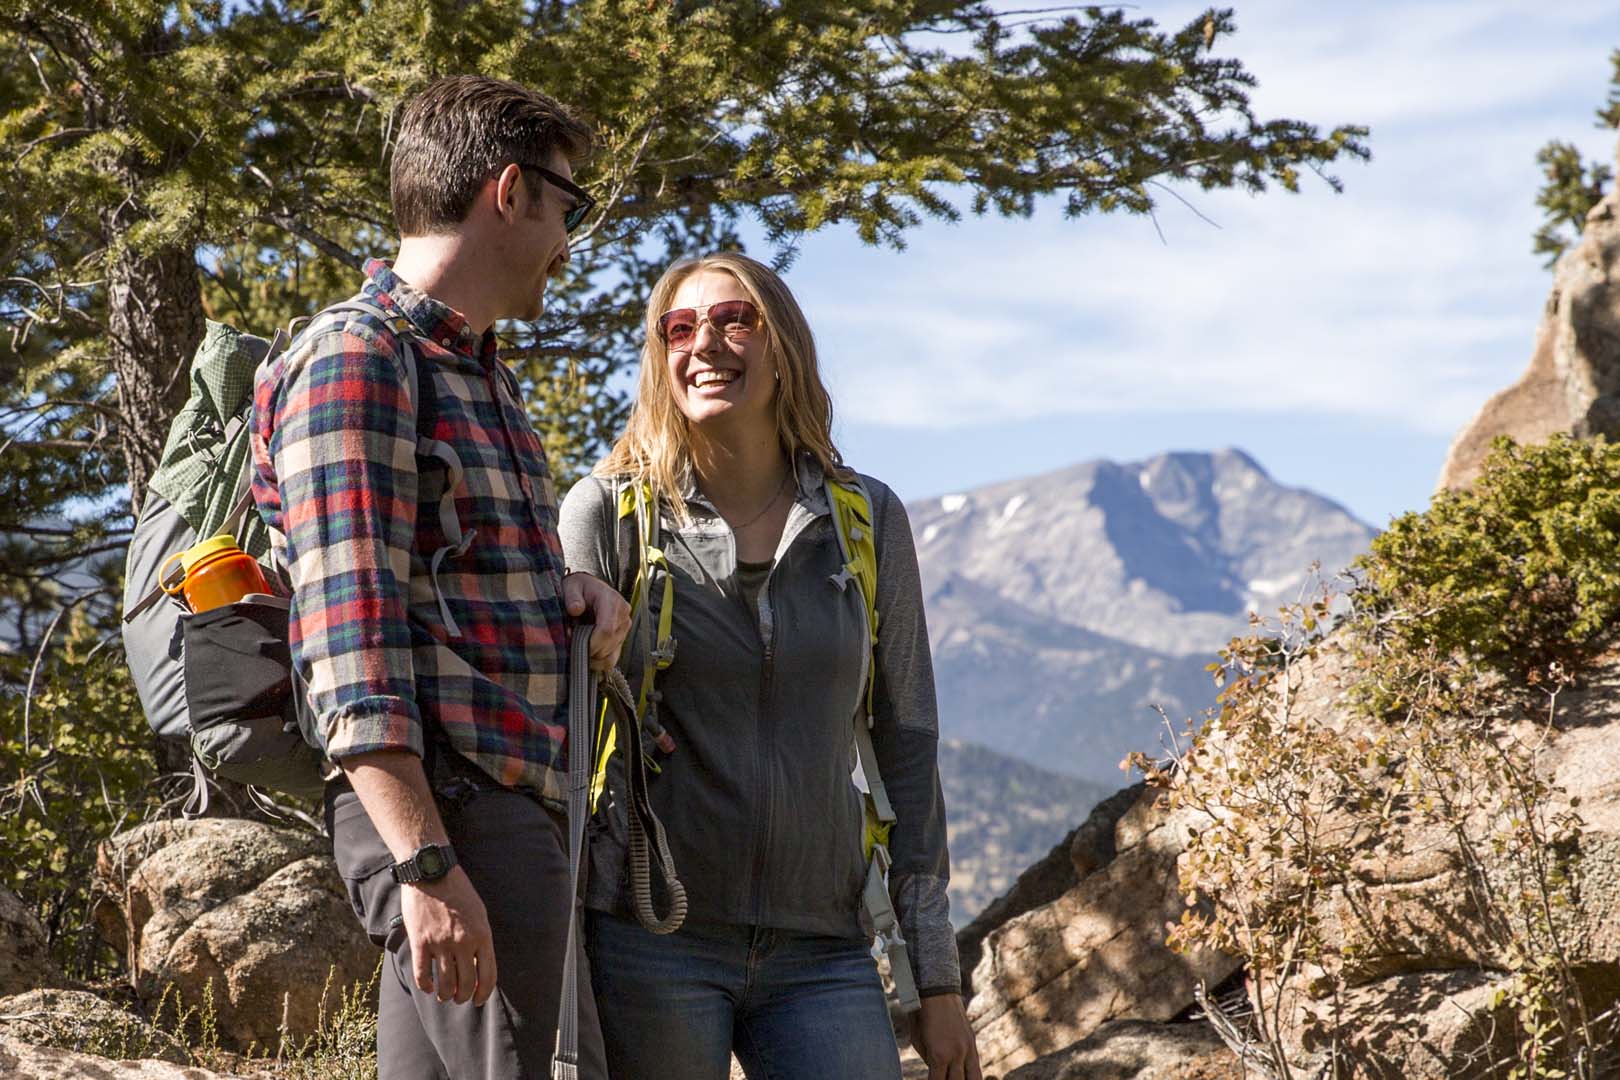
point(409, 871)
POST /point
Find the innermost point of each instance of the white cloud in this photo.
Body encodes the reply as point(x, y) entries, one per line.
point(1407, 300)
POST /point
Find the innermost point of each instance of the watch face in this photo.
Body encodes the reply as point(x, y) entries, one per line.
point(430, 861)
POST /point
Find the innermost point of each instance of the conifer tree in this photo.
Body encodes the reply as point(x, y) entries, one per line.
point(1573, 187)
point(168, 162)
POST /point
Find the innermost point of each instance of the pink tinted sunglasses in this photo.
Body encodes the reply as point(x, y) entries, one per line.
point(733, 318)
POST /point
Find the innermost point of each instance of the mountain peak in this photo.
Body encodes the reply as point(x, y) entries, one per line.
point(1078, 600)
point(1169, 553)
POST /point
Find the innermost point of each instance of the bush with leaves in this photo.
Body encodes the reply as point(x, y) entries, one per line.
point(1519, 571)
point(1432, 699)
point(76, 767)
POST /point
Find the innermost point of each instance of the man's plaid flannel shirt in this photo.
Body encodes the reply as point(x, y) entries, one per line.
point(386, 640)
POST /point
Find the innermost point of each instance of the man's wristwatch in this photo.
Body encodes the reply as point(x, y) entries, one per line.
point(430, 863)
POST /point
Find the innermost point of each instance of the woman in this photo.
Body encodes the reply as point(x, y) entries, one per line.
point(732, 432)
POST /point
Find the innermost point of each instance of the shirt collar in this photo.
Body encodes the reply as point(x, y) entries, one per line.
point(434, 319)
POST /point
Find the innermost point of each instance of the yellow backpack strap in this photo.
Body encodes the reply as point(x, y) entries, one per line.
point(852, 516)
point(636, 501)
point(852, 523)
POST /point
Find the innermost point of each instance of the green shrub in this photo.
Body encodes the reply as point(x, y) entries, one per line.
point(78, 769)
point(1519, 572)
point(1466, 623)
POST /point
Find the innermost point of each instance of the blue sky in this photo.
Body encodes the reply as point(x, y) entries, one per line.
point(1340, 339)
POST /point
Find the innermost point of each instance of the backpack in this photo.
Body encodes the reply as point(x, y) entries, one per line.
point(222, 680)
point(852, 515)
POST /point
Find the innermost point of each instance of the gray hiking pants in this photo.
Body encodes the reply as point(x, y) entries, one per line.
point(515, 852)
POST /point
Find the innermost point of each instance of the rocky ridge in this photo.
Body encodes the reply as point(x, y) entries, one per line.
point(1572, 385)
point(1064, 608)
point(1004, 815)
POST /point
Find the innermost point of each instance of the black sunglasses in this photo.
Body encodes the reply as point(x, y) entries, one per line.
point(583, 203)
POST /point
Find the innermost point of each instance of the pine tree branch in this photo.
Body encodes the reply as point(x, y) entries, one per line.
point(330, 248)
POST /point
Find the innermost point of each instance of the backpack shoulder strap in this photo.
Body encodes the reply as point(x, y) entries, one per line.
point(853, 516)
point(637, 500)
point(417, 390)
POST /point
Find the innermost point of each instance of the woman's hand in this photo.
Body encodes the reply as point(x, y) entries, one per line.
point(940, 1032)
point(584, 592)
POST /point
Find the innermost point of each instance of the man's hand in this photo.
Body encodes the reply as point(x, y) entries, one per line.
point(445, 919)
point(449, 930)
point(583, 592)
point(940, 1032)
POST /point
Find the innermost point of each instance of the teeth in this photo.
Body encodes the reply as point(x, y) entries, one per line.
point(714, 378)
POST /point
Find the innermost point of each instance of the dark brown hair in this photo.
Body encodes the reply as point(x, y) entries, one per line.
point(458, 132)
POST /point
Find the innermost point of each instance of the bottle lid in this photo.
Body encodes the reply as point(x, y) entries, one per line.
point(214, 545)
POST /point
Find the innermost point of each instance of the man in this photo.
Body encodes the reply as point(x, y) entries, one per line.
point(430, 607)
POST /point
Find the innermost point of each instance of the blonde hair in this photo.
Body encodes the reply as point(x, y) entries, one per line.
point(656, 447)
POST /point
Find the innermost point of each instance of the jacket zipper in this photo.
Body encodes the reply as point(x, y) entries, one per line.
point(761, 765)
point(766, 627)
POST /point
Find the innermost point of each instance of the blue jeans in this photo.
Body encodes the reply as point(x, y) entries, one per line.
point(792, 1006)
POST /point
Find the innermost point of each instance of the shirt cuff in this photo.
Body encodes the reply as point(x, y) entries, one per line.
point(377, 722)
point(931, 939)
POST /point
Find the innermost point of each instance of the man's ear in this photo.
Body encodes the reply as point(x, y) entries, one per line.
point(509, 191)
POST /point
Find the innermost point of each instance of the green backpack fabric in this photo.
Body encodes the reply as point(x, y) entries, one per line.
point(204, 468)
point(222, 680)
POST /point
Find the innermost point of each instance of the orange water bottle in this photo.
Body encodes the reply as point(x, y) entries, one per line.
point(215, 572)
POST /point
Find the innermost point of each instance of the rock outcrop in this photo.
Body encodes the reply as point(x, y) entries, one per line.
point(1053, 975)
point(1422, 978)
point(25, 961)
point(1572, 385)
point(1087, 847)
point(1139, 1050)
point(256, 911)
point(80, 1021)
point(19, 1059)
point(1421, 969)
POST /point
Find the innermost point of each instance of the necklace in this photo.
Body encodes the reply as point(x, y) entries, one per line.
point(766, 509)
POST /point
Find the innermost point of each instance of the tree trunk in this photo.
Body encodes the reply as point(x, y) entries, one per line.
point(154, 324)
point(154, 297)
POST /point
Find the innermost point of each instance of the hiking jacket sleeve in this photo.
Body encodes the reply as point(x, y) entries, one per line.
point(587, 524)
point(341, 444)
point(906, 736)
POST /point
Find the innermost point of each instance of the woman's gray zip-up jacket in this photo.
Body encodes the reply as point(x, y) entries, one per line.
point(764, 822)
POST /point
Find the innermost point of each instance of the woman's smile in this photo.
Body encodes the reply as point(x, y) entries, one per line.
point(714, 380)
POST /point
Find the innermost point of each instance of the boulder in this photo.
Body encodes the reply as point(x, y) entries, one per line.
point(1087, 847)
point(25, 959)
point(1430, 1025)
point(255, 911)
point(1138, 1050)
point(1573, 382)
point(20, 1059)
point(1420, 969)
point(1053, 975)
point(81, 1021)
